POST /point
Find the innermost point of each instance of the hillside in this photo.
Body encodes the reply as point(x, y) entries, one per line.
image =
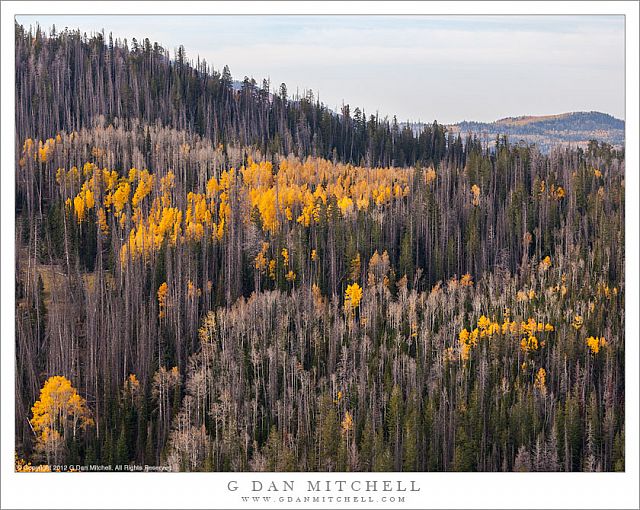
point(196, 98)
point(573, 128)
point(212, 279)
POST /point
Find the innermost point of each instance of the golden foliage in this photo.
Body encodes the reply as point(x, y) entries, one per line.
point(467, 341)
point(290, 276)
point(133, 383)
point(487, 328)
point(430, 175)
point(577, 322)
point(142, 205)
point(318, 300)
point(261, 262)
point(545, 264)
point(595, 344)
point(102, 221)
point(529, 344)
point(120, 196)
point(193, 291)
point(475, 191)
point(466, 280)
point(353, 295)
point(272, 269)
point(58, 412)
point(345, 204)
point(540, 381)
point(162, 299)
point(347, 422)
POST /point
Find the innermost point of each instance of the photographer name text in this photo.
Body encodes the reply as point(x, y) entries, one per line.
point(325, 486)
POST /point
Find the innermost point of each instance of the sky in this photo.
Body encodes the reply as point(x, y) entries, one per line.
point(419, 68)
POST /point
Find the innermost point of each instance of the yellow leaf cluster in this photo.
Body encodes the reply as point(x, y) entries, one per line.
point(577, 322)
point(595, 344)
point(529, 344)
point(475, 191)
point(144, 187)
point(557, 193)
point(466, 280)
point(120, 196)
point(603, 289)
point(144, 214)
point(540, 382)
point(347, 422)
point(345, 204)
point(319, 302)
point(59, 410)
point(545, 264)
point(167, 184)
point(43, 153)
point(192, 290)
point(467, 341)
point(84, 200)
point(378, 267)
point(543, 186)
point(300, 189)
point(197, 216)
point(430, 175)
point(486, 328)
point(133, 383)
point(45, 150)
point(290, 276)
point(261, 259)
point(560, 288)
point(163, 290)
point(525, 295)
point(353, 295)
point(102, 221)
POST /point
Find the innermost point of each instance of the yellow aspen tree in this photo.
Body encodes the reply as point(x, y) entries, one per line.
point(353, 295)
point(162, 299)
point(58, 414)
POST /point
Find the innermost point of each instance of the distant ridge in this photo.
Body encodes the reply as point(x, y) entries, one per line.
point(547, 131)
point(526, 119)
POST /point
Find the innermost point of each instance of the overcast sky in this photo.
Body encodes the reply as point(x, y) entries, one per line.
point(448, 68)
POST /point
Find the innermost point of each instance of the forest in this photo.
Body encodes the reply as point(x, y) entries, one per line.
point(213, 279)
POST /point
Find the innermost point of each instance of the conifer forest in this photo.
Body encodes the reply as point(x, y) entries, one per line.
point(221, 275)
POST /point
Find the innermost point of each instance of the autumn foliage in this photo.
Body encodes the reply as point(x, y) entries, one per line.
point(220, 281)
point(59, 414)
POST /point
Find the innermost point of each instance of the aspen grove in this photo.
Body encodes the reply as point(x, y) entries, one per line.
point(214, 278)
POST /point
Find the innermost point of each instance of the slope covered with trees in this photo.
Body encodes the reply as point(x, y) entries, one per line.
point(576, 129)
point(200, 287)
point(69, 81)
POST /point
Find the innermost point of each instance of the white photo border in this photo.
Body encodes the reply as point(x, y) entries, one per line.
point(213, 490)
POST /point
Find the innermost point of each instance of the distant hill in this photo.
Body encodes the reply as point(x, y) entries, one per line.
point(546, 131)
